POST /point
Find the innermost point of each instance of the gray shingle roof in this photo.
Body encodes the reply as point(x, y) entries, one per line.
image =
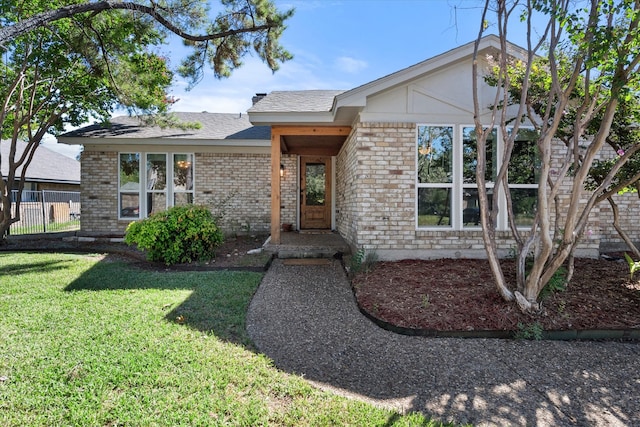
point(215, 126)
point(47, 165)
point(297, 101)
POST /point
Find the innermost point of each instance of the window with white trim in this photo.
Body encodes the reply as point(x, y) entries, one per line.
point(470, 204)
point(182, 179)
point(435, 176)
point(447, 189)
point(524, 176)
point(161, 181)
point(129, 185)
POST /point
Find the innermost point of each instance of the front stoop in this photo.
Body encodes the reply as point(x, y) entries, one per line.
point(303, 245)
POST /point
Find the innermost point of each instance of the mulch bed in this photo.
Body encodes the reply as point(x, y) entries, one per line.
point(460, 295)
point(230, 255)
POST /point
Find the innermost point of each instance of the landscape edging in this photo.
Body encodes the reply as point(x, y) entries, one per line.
point(565, 335)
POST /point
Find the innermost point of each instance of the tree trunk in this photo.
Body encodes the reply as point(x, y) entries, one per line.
point(616, 224)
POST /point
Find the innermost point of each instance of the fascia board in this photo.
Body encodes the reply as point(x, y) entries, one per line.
point(267, 119)
point(214, 149)
point(165, 142)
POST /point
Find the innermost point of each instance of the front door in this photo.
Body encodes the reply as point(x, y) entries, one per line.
point(315, 192)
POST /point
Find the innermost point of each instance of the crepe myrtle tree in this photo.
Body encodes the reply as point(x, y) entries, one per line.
point(587, 55)
point(65, 62)
point(623, 139)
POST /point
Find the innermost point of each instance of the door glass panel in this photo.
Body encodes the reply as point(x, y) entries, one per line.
point(315, 183)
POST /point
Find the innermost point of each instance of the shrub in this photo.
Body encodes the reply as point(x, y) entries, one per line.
point(531, 331)
point(178, 235)
point(362, 261)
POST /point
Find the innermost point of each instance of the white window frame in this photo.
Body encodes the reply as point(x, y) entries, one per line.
point(173, 191)
point(535, 186)
point(143, 190)
point(488, 184)
point(458, 187)
point(131, 191)
point(449, 185)
point(148, 191)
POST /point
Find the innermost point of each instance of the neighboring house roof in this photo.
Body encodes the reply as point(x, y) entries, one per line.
point(214, 126)
point(46, 166)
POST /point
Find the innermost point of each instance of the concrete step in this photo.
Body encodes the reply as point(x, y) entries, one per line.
point(309, 253)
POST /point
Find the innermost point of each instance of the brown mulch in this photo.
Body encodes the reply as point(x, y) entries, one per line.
point(231, 254)
point(460, 295)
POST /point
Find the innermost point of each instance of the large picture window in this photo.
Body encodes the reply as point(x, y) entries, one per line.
point(447, 188)
point(161, 181)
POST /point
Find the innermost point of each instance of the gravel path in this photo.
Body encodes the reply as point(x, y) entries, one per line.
point(305, 318)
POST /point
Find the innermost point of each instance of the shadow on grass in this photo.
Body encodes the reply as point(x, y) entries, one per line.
point(39, 267)
point(217, 303)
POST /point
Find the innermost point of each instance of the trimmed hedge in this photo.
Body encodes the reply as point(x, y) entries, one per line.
point(181, 234)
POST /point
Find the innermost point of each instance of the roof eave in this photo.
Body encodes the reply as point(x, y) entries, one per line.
point(293, 118)
point(163, 141)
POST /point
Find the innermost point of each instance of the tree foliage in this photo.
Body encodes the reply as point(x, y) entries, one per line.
point(575, 75)
point(65, 62)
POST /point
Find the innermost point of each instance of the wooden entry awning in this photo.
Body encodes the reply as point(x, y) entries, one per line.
point(300, 140)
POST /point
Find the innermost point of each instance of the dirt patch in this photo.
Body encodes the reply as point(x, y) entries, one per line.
point(460, 295)
point(232, 254)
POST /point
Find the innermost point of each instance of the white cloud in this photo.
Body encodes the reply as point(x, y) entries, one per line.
point(350, 65)
point(233, 94)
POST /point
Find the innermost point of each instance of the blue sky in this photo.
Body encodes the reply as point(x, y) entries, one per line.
point(340, 44)
point(337, 44)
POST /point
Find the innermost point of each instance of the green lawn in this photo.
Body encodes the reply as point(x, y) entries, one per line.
point(52, 227)
point(86, 341)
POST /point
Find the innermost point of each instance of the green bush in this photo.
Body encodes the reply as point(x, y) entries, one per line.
point(178, 235)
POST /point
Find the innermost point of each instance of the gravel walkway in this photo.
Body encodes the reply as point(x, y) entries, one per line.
point(305, 318)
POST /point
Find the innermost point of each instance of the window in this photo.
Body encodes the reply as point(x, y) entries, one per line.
point(470, 202)
point(524, 176)
point(163, 186)
point(129, 188)
point(447, 189)
point(182, 179)
point(435, 175)
point(156, 183)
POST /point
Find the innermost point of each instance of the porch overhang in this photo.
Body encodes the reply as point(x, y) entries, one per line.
point(299, 140)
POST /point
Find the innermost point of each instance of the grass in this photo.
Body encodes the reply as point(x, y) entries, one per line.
point(51, 227)
point(93, 341)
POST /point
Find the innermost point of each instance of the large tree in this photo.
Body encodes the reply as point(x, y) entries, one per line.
point(65, 62)
point(589, 52)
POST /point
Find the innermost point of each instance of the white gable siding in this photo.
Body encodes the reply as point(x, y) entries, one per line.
point(443, 96)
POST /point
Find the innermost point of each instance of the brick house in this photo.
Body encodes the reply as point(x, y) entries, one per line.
point(388, 165)
point(48, 169)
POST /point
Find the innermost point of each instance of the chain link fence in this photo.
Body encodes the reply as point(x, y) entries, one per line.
point(46, 211)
